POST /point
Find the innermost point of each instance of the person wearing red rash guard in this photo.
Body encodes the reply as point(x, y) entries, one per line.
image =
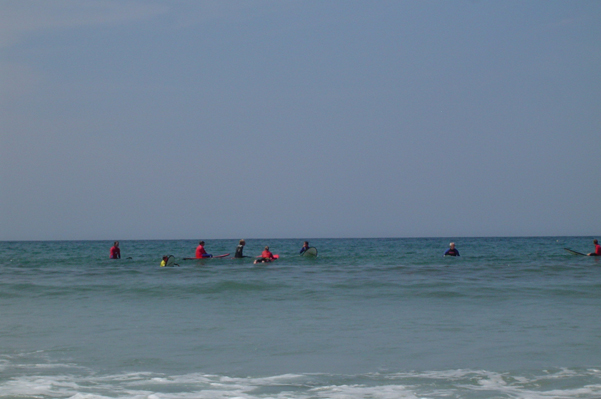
point(597, 249)
point(115, 252)
point(266, 256)
point(200, 251)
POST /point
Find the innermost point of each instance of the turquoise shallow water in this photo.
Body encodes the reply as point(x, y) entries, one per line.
point(367, 318)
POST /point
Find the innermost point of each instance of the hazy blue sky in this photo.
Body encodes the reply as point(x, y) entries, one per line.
point(231, 119)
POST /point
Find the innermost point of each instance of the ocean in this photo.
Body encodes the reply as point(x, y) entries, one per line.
point(367, 318)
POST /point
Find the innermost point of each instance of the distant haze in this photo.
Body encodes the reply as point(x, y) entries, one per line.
point(241, 119)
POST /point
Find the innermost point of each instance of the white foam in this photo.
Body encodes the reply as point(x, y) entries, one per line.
point(81, 383)
point(361, 391)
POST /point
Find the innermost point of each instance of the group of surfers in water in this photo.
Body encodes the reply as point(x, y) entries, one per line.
point(267, 256)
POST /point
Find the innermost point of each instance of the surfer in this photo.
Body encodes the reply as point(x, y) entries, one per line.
point(305, 247)
point(239, 250)
point(266, 256)
point(452, 251)
point(168, 261)
point(115, 252)
point(597, 249)
point(200, 251)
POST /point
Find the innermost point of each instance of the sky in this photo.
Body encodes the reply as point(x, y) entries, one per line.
point(299, 119)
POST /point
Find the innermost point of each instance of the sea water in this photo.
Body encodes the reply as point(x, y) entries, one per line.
point(367, 318)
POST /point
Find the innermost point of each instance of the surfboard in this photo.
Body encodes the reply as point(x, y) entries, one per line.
point(260, 261)
point(276, 256)
point(311, 251)
point(216, 256)
point(170, 261)
point(574, 252)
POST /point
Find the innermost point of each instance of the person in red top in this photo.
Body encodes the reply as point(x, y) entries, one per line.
point(597, 249)
point(266, 256)
point(115, 252)
point(200, 251)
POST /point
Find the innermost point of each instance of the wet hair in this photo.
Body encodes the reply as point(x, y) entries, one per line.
point(242, 242)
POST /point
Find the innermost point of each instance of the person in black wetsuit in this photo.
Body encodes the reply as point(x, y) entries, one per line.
point(452, 251)
point(239, 250)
